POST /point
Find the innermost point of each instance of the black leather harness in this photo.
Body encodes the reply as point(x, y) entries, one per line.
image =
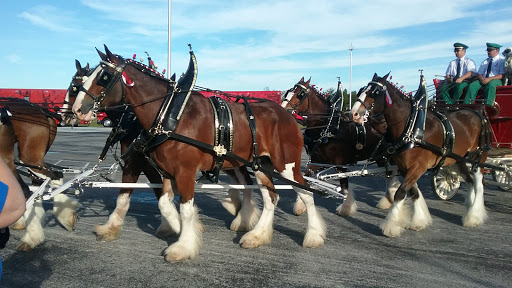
point(414, 132)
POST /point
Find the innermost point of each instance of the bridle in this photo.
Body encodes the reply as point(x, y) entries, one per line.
point(107, 80)
point(372, 90)
point(302, 96)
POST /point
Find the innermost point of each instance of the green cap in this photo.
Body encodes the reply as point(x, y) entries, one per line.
point(493, 45)
point(460, 45)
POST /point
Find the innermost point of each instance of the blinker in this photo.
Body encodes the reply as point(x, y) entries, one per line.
point(104, 78)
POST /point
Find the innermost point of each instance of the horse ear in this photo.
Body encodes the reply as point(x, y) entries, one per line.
point(386, 76)
point(302, 79)
point(375, 77)
point(307, 82)
point(103, 56)
point(110, 55)
point(87, 66)
point(78, 66)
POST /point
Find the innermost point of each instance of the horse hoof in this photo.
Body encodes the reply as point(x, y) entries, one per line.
point(384, 203)
point(70, 222)
point(105, 235)
point(249, 241)
point(178, 252)
point(19, 225)
point(392, 231)
point(313, 241)
point(346, 210)
point(24, 247)
point(237, 226)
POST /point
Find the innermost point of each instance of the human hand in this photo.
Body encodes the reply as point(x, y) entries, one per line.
point(485, 81)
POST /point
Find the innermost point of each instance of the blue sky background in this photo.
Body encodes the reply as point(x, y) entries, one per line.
point(250, 45)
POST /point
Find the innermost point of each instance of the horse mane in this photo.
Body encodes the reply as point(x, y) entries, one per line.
point(405, 95)
point(323, 96)
point(144, 68)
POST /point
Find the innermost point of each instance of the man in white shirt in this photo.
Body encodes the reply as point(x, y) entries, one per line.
point(489, 75)
point(457, 72)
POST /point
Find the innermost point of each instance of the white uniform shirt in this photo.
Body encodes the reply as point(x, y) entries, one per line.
point(467, 65)
point(497, 66)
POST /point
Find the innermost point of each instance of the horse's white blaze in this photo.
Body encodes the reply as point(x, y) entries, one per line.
point(80, 97)
point(34, 234)
point(287, 98)
point(476, 213)
point(356, 113)
point(169, 214)
point(191, 240)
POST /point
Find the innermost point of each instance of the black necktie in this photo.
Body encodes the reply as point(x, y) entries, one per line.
point(459, 64)
point(488, 69)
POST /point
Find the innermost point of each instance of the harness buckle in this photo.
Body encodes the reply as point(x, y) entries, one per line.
point(220, 150)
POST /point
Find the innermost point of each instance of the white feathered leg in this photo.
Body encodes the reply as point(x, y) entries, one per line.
point(262, 233)
point(316, 231)
point(34, 234)
point(64, 208)
point(299, 208)
point(232, 202)
point(170, 217)
point(392, 185)
point(475, 214)
point(349, 205)
point(396, 220)
point(110, 230)
point(190, 242)
point(421, 218)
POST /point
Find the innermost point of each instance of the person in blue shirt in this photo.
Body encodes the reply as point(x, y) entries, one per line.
point(12, 201)
point(457, 74)
point(489, 76)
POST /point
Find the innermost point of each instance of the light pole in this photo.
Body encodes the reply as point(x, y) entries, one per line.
point(351, 47)
point(169, 42)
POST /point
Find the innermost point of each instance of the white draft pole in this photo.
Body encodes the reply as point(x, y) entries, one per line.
point(351, 47)
point(169, 42)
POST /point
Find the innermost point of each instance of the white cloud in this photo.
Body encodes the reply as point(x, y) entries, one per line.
point(48, 17)
point(13, 58)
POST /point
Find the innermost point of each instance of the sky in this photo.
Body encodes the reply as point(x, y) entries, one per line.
point(250, 45)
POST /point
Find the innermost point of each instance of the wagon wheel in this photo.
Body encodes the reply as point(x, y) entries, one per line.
point(446, 183)
point(502, 177)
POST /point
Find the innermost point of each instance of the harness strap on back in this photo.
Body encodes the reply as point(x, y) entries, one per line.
point(252, 125)
point(223, 139)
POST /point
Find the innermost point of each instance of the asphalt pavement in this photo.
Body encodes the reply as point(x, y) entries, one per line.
point(355, 253)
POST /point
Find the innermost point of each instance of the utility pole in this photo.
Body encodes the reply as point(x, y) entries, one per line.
point(169, 42)
point(351, 48)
